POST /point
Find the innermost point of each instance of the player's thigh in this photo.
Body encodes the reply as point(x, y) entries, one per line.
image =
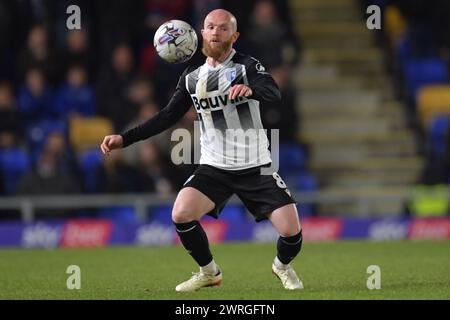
point(285, 220)
point(190, 205)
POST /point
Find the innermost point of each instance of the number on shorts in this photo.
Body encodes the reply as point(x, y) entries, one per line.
point(279, 181)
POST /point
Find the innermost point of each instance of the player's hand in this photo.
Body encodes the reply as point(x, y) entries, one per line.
point(111, 142)
point(240, 90)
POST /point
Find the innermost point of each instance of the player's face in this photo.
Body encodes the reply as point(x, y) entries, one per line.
point(218, 35)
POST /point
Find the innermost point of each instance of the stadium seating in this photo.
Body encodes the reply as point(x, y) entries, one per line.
point(89, 161)
point(161, 214)
point(119, 213)
point(433, 100)
point(403, 51)
point(421, 72)
point(306, 182)
point(13, 164)
point(395, 24)
point(416, 43)
point(233, 213)
point(292, 158)
point(37, 133)
point(437, 135)
point(86, 133)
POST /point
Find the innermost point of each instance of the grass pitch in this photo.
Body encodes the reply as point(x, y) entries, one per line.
point(409, 270)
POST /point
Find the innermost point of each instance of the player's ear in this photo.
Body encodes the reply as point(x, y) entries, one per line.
point(235, 36)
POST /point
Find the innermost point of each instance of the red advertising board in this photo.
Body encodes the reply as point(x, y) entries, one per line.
point(321, 229)
point(430, 228)
point(86, 233)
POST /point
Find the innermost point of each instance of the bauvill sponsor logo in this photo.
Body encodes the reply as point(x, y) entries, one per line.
point(215, 102)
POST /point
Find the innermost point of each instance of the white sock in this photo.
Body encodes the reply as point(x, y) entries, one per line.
point(279, 264)
point(210, 268)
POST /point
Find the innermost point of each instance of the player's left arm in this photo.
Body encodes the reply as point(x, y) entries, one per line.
point(261, 85)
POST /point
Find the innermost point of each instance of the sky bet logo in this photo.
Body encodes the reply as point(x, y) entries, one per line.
point(214, 103)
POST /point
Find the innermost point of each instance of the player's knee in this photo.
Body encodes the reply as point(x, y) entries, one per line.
point(181, 214)
point(289, 230)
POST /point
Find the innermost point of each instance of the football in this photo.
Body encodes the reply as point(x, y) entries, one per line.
point(175, 41)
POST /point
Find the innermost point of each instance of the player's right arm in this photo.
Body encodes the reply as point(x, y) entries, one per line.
point(111, 142)
point(177, 107)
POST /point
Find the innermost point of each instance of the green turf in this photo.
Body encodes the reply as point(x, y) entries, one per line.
point(409, 270)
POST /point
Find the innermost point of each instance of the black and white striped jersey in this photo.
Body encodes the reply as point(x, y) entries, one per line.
point(232, 135)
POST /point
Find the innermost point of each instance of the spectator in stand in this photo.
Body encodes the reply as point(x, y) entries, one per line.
point(78, 52)
point(35, 98)
point(57, 20)
point(10, 124)
point(153, 171)
point(146, 111)
point(47, 178)
point(160, 11)
point(283, 115)
point(56, 144)
point(119, 20)
point(113, 84)
point(38, 53)
point(76, 98)
point(139, 92)
point(268, 38)
point(116, 175)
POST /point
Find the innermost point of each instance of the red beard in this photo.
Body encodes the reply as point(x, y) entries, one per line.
point(217, 51)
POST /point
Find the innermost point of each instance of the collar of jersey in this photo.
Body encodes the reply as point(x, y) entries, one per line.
point(230, 56)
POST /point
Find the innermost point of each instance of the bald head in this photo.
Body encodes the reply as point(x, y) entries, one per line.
point(219, 33)
point(222, 16)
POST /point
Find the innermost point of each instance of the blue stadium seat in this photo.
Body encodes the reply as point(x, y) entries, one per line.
point(380, 3)
point(437, 135)
point(162, 214)
point(14, 163)
point(292, 158)
point(306, 182)
point(90, 161)
point(37, 133)
point(119, 213)
point(233, 213)
point(403, 51)
point(418, 42)
point(420, 72)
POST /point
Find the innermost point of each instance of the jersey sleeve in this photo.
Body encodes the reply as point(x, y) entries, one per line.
point(261, 82)
point(177, 107)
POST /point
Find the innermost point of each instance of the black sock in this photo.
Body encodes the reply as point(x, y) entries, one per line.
point(195, 241)
point(289, 247)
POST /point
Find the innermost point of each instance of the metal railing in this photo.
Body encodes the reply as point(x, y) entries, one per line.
point(27, 205)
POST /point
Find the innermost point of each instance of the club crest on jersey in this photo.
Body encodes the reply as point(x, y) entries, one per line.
point(231, 74)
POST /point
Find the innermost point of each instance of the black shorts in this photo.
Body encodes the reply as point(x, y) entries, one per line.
point(261, 194)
